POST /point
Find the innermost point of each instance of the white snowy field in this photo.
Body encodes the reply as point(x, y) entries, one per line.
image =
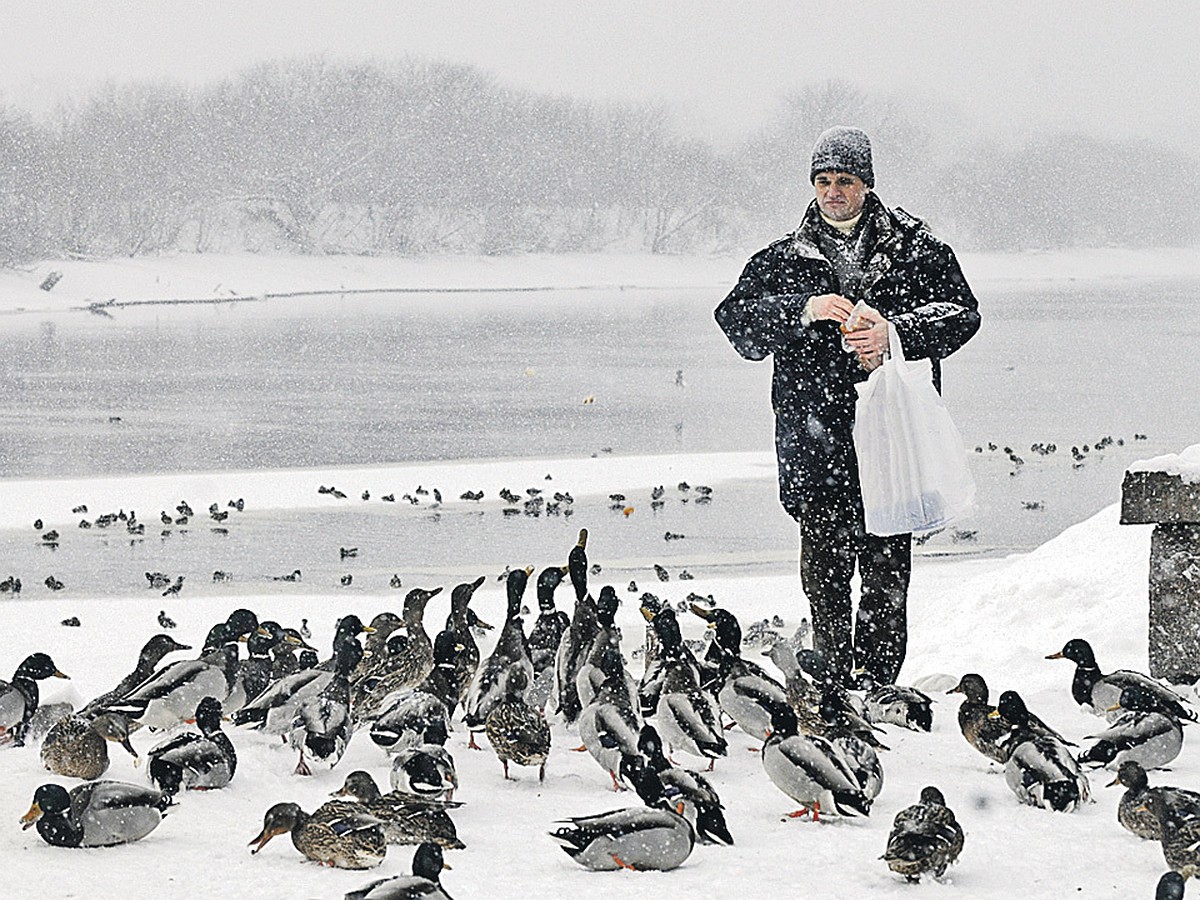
point(995, 617)
point(999, 617)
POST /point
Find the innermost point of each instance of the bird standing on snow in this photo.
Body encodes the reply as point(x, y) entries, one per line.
point(510, 652)
point(1099, 693)
point(337, 834)
point(201, 761)
point(19, 698)
point(1040, 770)
point(810, 770)
point(517, 731)
point(925, 837)
point(96, 814)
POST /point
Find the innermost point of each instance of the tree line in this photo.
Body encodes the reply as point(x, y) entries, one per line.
point(423, 157)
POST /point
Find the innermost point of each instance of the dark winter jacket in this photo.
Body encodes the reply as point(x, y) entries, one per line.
point(911, 277)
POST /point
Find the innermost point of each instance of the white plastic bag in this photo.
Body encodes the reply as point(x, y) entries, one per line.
point(911, 461)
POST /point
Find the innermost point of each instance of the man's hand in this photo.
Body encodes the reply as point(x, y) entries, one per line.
point(833, 307)
point(870, 342)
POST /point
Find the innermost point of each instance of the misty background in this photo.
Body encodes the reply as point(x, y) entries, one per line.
point(126, 129)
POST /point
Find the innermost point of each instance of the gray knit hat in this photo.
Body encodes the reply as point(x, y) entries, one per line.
point(843, 149)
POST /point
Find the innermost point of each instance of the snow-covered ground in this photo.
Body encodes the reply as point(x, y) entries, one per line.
point(998, 617)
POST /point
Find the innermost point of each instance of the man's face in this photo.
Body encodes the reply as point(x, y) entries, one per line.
point(840, 195)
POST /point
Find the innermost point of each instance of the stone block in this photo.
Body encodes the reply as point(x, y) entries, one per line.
point(1149, 497)
point(1174, 650)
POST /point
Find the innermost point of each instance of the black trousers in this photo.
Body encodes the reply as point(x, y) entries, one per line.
point(832, 542)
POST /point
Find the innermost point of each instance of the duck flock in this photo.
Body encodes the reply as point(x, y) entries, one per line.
point(551, 683)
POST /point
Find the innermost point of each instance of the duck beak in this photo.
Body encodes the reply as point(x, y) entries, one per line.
point(447, 866)
point(479, 623)
point(261, 840)
point(994, 714)
point(1114, 782)
point(1114, 707)
point(58, 674)
point(31, 817)
point(703, 613)
point(528, 570)
point(367, 629)
point(955, 690)
point(1057, 655)
point(124, 742)
point(646, 614)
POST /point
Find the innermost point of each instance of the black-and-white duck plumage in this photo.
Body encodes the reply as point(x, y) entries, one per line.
point(203, 760)
point(152, 653)
point(427, 770)
point(170, 697)
point(744, 690)
point(578, 637)
point(688, 717)
point(20, 697)
point(1143, 732)
point(688, 784)
point(96, 814)
point(811, 770)
point(898, 704)
point(1100, 693)
point(1040, 770)
point(610, 724)
point(406, 716)
point(643, 838)
point(461, 622)
point(510, 650)
point(322, 725)
point(423, 884)
point(925, 837)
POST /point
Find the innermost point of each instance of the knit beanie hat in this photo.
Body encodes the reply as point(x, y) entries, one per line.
point(843, 149)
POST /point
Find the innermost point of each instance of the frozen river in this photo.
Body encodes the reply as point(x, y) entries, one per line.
point(363, 380)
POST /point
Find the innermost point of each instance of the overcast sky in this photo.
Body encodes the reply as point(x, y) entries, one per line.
point(1115, 68)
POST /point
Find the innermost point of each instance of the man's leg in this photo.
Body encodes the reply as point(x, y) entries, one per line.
point(881, 625)
point(827, 547)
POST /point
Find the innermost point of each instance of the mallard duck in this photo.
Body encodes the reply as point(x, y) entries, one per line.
point(925, 837)
point(406, 818)
point(897, 704)
point(404, 669)
point(19, 698)
point(407, 715)
point(462, 622)
point(424, 883)
point(337, 834)
point(516, 731)
point(1131, 811)
point(426, 769)
point(1179, 832)
point(1099, 693)
point(509, 651)
point(546, 628)
point(1145, 733)
point(322, 724)
point(1040, 770)
point(859, 755)
point(266, 649)
point(803, 695)
point(275, 708)
point(172, 695)
point(544, 640)
point(76, 747)
point(608, 637)
point(96, 814)
point(687, 716)
point(690, 786)
point(609, 725)
point(647, 838)
point(578, 637)
point(833, 692)
point(384, 625)
point(194, 761)
point(810, 769)
point(152, 653)
point(987, 734)
point(744, 691)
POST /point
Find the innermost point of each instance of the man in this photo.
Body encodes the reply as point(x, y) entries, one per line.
point(792, 302)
